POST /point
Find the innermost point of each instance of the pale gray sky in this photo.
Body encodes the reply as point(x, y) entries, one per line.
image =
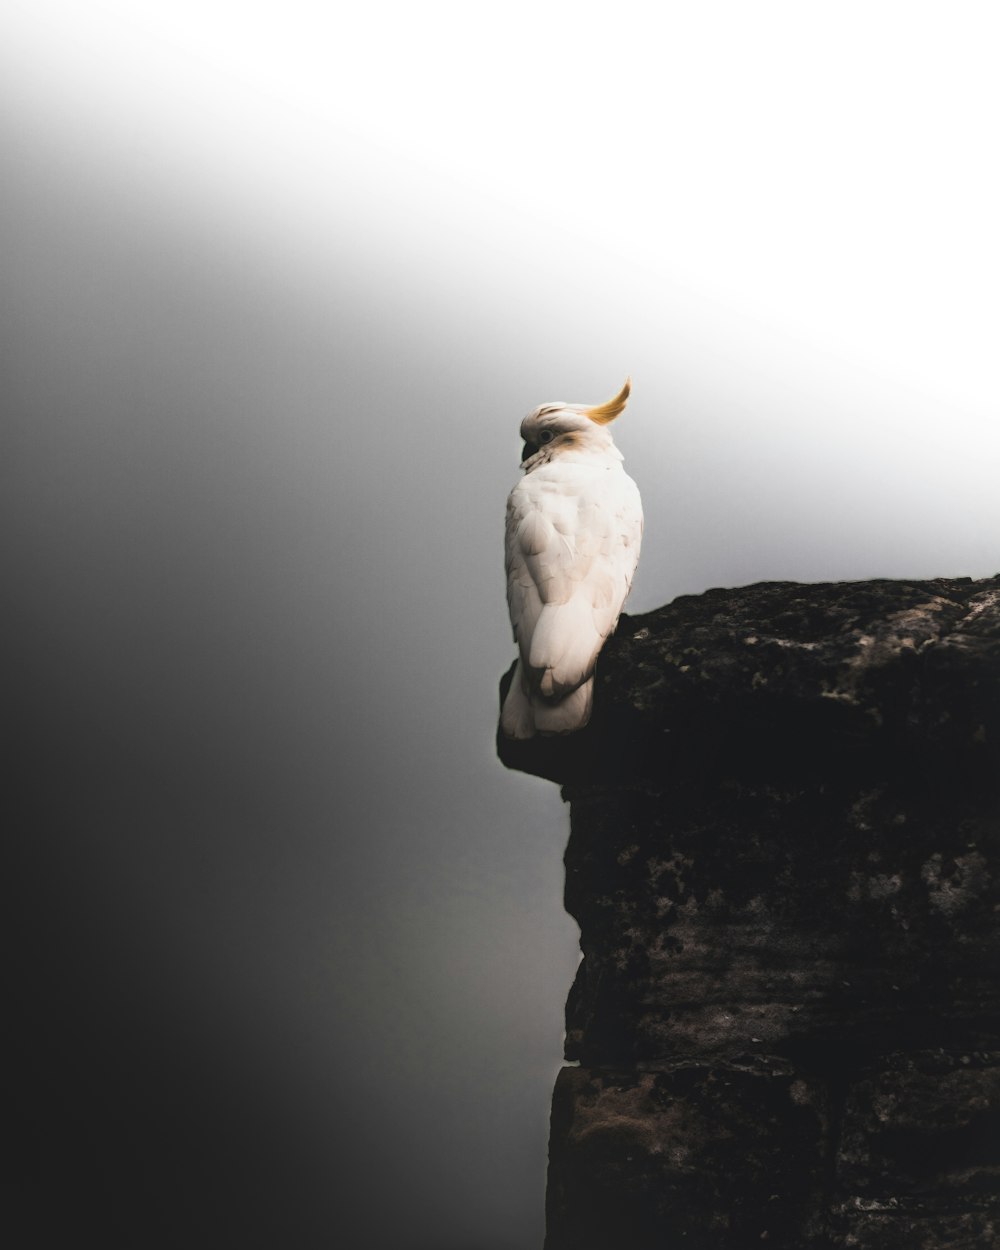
point(280, 282)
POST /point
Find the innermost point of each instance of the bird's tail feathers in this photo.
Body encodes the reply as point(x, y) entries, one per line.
point(564, 647)
point(525, 715)
point(568, 714)
point(517, 717)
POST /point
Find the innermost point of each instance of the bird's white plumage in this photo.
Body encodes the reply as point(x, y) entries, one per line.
point(574, 525)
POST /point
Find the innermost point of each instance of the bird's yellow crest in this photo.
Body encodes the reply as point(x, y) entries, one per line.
point(605, 413)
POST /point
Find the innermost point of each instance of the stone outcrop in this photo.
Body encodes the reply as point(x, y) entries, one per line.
point(785, 863)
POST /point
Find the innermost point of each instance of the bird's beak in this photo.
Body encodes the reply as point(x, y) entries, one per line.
point(528, 451)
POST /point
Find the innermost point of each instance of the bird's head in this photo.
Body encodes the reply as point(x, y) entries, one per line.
point(554, 428)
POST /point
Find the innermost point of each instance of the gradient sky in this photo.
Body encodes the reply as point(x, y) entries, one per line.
point(279, 283)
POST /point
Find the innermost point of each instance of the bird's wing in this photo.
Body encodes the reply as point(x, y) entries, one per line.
point(572, 547)
point(523, 596)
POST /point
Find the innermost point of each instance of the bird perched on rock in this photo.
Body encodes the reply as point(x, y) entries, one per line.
point(574, 524)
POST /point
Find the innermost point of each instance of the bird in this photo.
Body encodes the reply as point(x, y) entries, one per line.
point(574, 528)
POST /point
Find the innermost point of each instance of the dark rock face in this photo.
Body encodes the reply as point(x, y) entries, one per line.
point(785, 863)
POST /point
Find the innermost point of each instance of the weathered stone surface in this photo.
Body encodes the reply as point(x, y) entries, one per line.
point(785, 864)
point(896, 1227)
point(773, 915)
point(919, 1149)
point(887, 673)
point(635, 1153)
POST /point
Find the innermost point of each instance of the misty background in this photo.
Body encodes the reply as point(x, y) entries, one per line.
point(278, 284)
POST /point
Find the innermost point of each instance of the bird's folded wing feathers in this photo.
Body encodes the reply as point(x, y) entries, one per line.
point(570, 562)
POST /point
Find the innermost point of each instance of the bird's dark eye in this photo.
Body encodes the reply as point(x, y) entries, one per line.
point(546, 436)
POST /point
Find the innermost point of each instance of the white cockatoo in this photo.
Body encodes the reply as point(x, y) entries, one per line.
point(574, 524)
